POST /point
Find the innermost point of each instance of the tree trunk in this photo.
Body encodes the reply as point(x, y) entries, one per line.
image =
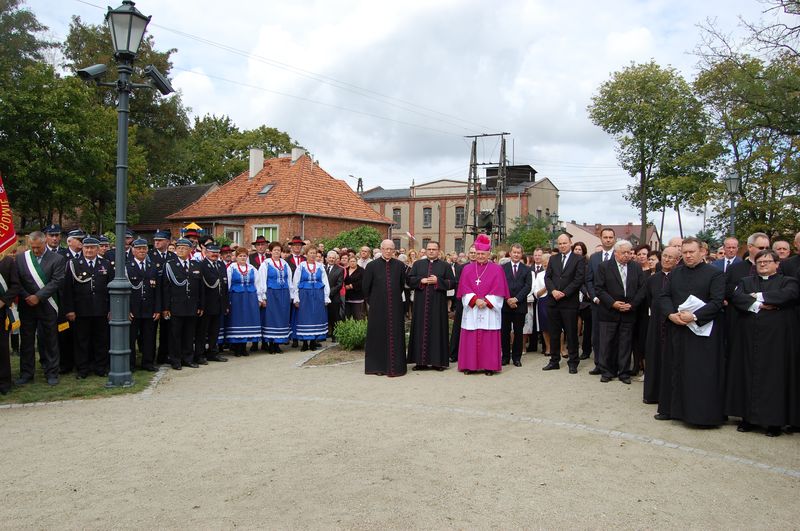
point(680, 225)
point(643, 212)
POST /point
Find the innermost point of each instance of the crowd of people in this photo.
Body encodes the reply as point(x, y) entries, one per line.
point(709, 333)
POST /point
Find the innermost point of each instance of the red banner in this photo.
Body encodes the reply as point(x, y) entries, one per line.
point(8, 236)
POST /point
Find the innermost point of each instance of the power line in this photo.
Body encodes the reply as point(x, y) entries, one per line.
point(322, 78)
point(316, 102)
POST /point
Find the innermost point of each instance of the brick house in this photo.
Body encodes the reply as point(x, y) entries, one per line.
point(280, 198)
point(153, 212)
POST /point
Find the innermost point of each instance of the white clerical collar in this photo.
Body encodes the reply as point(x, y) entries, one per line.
point(765, 278)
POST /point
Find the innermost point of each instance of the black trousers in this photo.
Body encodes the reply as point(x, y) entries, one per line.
point(596, 334)
point(355, 310)
point(615, 348)
point(334, 314)
point(163, 340)
point(181, 339)
point(41, 314)
point(5, 355)
point(207, 334)
point(567, 320)
point(143, 332)
point(91, 342)
point(66, 349)
point(517, 322)
point(586, 315)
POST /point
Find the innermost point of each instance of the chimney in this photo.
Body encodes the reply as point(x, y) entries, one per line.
point(297, 153)
point(256, 161)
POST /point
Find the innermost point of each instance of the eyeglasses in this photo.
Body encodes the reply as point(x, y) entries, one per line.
point(764, 262)
point(762, 248)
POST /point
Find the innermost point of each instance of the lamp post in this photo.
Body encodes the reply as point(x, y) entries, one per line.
point(732, 182)
point(127, 26)
point(553, 229)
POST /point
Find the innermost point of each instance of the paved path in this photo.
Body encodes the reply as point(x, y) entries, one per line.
point(260, 443)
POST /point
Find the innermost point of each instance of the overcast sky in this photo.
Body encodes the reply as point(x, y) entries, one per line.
point(387, 90)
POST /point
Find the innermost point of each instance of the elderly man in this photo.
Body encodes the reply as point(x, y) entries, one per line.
point(791, 266)
point(364, 256)
point(765, 343)
point(620, 288)
point(730, 247)
point(783, 249)
point(658, 373)
point(691, 300)
point(41, 273)
point(383, 283)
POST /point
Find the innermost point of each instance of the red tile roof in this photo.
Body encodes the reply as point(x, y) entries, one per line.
point(297, 188)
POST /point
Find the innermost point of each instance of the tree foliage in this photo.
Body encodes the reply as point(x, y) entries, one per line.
point(660, 131)
point(529, 231)
point(355, 238)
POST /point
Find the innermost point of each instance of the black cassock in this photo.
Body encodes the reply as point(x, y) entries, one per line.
point(383, 284)
point(429, 334)
point(762, 347)
point(697, 391)
point(654, 374)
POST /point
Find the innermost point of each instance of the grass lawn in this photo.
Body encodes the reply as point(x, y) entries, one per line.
point(68, 387)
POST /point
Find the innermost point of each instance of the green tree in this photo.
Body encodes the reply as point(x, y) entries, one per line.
point(355, 238)
point(765, 157)
point(659, 128)
point(162, 121)
point(529, 231)
point(711, 238)
point(20, 45)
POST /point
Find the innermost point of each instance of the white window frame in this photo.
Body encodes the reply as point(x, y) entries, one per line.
point(268, 230)
point(236, 231)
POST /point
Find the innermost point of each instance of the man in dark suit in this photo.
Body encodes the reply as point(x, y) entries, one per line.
point(791, 266)
point(730, 248)
point(9, 289)
point(182, 304)
point(518, 277)
point(564, 276)
point(215, 305)
point(66, 338)
point(620, 288)
point(145, 309)
point(607, 239)
point(41, 273)
point(86, 304)
point(335, 281)
point(159, 256)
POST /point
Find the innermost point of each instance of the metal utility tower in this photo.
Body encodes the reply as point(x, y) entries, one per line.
point(472, 207)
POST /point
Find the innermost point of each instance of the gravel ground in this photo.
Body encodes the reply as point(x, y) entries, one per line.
point(261, 443)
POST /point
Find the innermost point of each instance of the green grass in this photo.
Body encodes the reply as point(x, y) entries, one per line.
point(68, 388)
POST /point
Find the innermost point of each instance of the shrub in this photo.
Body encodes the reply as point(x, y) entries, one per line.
point(351, 334)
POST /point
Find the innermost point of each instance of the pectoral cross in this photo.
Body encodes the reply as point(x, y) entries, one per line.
point(477, 281)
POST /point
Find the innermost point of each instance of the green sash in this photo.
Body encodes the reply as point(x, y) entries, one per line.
point(35, 269)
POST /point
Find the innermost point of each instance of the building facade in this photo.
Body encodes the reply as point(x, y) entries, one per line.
point(437, 210)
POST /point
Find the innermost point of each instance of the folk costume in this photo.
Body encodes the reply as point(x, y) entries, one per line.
point(479, 345)
point(313, 293)
point(277, 282)
point(429, 325)
point(244, 320)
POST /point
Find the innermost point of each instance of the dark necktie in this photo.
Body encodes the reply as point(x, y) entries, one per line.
point(563, 260)
point(91, 265)
point(515, 270)
point(727, 265)
point(605, 256)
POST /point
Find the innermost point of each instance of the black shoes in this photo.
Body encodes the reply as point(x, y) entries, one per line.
point(52, 380)
point(191, 364)
point(176, 365)
point(505, 362)
point(294, 343)
point(313, 345)
point(22, 380)
point(625, 379)
point(150, 368)
point(585, 355)
point(81, 376)
point(595, 371)
point(605, 379)
point(662, 416)
point(488, 373)
point(773, 431)
point(202, 361)
point(744, 427)
point(551, 367)
point(517, 363)
point(573, 370)
point(304, 347)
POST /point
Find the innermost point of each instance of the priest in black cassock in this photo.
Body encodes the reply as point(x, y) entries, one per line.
point(430, 278)
point(698, 373)
point(383, 283)
point(656, 374)
point(765, 340)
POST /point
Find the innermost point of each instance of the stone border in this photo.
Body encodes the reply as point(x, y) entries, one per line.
point(143, 394)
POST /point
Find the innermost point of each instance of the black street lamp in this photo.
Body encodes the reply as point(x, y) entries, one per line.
point(732, 183)
point(127, 26)
point(553, 229)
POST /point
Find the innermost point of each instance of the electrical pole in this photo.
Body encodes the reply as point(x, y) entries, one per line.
point(472, 201)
